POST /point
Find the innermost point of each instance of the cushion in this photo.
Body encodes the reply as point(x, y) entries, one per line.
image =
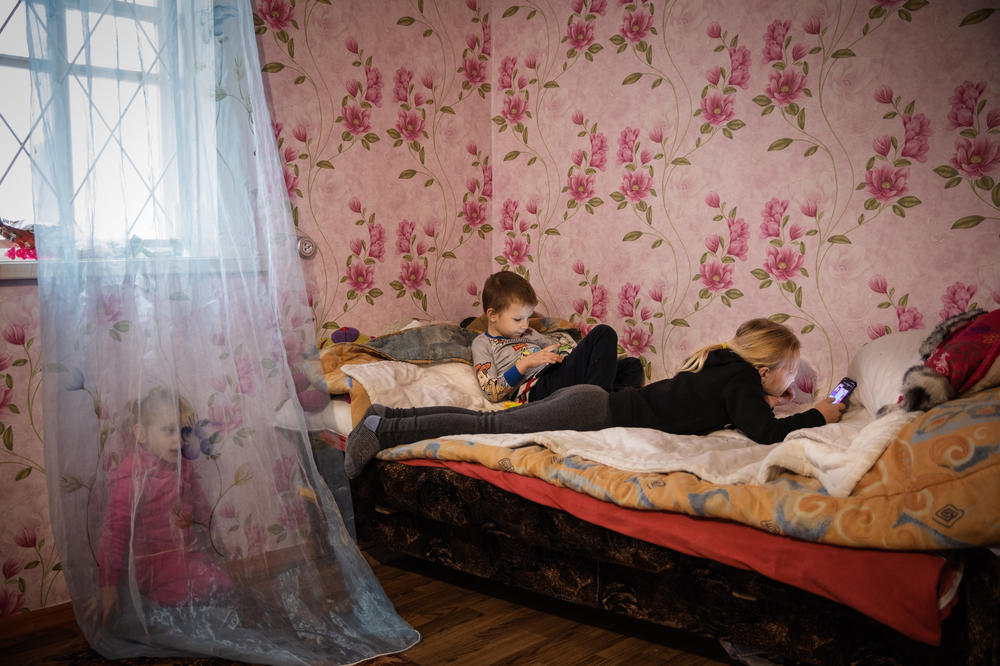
point(334, 417)
point(879, 366)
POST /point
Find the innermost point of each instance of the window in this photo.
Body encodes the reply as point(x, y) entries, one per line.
point(15, 129)
point(116, 148)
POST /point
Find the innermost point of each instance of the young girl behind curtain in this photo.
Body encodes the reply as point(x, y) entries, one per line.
point(157, 516)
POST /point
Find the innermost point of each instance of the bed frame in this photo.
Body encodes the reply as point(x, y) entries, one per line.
point(443, 517)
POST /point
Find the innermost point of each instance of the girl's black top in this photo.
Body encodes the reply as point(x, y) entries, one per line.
point(726, 393)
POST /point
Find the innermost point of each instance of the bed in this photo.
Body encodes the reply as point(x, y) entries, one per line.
point(867, 541)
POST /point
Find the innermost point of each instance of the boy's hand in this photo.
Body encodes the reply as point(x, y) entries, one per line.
point(540, 357)
point(830, 410)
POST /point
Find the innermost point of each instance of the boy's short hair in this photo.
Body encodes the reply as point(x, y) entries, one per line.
point(504, 288)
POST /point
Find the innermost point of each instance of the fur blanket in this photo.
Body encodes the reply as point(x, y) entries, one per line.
point(961, 356)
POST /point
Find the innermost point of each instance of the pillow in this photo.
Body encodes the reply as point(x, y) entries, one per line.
point(879, 366)
point(400, 384)
point(335, 417)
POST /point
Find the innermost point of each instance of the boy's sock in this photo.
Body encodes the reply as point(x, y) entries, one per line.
point(362, 444)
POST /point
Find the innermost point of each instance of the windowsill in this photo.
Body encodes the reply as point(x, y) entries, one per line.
point(18, 269)
point(27, 269)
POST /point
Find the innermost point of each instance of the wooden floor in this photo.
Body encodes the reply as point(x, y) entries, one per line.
point(463, 621)
point(459, 622)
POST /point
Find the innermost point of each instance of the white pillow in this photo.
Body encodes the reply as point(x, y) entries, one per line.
point(401, 384)
point(879, 366)
point(335, 417)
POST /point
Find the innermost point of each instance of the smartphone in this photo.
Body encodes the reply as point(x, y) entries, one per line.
point(841, 392)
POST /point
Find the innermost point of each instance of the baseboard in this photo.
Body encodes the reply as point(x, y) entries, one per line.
point(25, 624)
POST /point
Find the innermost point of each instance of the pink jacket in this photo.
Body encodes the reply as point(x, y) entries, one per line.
point(150, 509)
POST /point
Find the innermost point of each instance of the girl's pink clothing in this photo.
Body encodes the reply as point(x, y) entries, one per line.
point(150, 509)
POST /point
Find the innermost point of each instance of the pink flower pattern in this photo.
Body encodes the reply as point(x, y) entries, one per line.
point(401, 85)
point(783, 263)
point(636, 340)
point(474, 213)
point(373, 86)
point(917, 130)
point(963, 104)
point(739, 236)
point(774, 41)
point(636, 185)
point(886, 183)
point(956, 299)
point(877, 283)
point(599, 302)
point(785, 86)
point(636, 25)
point(580, 34)
point(404, 235)
point(475, 71)
point(356, 120)
point(514, 108)
point(412, 274)
point(626, 145)
point(376, 245)
point(410, 124)
point(516, 250)
point(508, 214)
point(360, 277)
point(716, 276)
point(975, 158)
point(581, 187)
point(773, 212)
point(626, 299)
point(598, 151)
point(909, 318)
point(277, 14)
point(739, 66)
point(717, 108)
point(505, 77)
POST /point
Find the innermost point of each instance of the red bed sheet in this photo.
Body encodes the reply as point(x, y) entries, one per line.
point(898, 588)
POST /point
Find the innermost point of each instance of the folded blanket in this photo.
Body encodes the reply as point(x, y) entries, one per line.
point(837, 454)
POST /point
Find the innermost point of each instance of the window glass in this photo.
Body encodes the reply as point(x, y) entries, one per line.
point(15, 168)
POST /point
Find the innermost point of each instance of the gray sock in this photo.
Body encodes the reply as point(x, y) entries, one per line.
point(362, 444)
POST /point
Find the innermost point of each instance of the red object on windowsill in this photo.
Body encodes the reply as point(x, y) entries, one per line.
point(15, 252)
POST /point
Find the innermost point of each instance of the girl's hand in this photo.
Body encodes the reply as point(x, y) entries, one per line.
point(540, 357)
point(107, 601)
point(830, 410)
point(775, 400)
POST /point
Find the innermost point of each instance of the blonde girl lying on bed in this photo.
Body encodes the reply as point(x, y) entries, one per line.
point(734, 384)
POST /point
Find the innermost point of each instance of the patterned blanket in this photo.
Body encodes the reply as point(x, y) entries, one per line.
point(935, 487)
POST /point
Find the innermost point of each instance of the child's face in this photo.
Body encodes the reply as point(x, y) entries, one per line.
point(161, 436)
point(777, 380)
point(512, 322)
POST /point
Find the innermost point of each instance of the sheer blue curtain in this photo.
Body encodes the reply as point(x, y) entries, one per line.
point(174, 318)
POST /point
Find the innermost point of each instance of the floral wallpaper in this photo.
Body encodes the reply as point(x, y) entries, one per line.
point(669, 167)
point(32, 573)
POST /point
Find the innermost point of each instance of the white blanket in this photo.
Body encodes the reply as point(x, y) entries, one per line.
point(838, 454)
point(401, 384)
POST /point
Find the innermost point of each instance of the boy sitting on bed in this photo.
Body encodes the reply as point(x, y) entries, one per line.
point(515, 362)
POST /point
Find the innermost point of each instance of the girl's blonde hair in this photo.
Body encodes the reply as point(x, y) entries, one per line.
point(760, 342)
point(158, 398)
